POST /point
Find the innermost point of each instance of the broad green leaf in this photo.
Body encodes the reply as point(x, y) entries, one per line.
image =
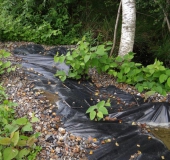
point(113, 64)
point(10, 153)
point(92, 115)
point(72, 74)
point(93, 48)
point(103, 110)
point(91, 108)
point(21, 121)
point(168, 81)
point(138, 64)
point(34, 119)
point(63, 78)
point(119, 59)
point(15, 138)
point(126, 70)
point(100, 104)
point(56, 59)
point(27, 127)
point(6, 54)
point(61, 75)
point(148, 94)
point(22, 143)
point(112, 72)
point(119, 75)
point(168, 72)
point(11, 127)
point(31, 141)
point(140, 88)
point(6, 64)
point(86, 58)
point(5, 140)
point(163, 78)
point(61, 59)
point(22, 153)
point(159, 89)
point(99, 114)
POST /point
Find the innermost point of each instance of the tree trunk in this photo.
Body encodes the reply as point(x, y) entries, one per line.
point(128, 27)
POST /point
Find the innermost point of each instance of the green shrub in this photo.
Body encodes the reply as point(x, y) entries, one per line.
point(154, 77)
point(15, 138)
point(5, 66)
point(37, 21)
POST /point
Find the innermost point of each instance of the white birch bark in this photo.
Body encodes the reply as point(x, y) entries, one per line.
point(128, 27)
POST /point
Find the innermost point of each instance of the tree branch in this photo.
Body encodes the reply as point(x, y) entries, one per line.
point(115, 30)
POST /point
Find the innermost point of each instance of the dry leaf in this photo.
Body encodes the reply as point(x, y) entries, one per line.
point(138, 145)
point(117, 144)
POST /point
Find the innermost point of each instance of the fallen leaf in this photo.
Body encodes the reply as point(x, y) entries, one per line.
point(117, 144)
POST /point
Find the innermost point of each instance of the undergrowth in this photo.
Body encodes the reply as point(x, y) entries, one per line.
point(154, 77)
point(16, 138)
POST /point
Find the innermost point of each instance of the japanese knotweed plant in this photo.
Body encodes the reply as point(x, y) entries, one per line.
point(98, 111)
point(83, 58)
point(5, 66)
point(16, 140)
point(154, 77)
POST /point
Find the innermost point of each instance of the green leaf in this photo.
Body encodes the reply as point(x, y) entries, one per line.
point(22, 143)
point(126, 70)
point(22, 153)
point(107, 104)
point(6, 54)
point(72, 74)
point(10, 153)
point(5, 140)
point(163, 78)
point(168, 81)
point(168, 72)
point(113, 64)
point(148, 94)
point(159, 89)
point(34, 119)
point(99, 114)
point(103, 110)
point(6, 64)
point(100, 104)
point(119, 75)
point(21, 121)
point(91, 108)
point(11, 127)
point(27, 127)
point(62, 59)
point(119, 59)
point(106, 67)
point(140, 88)
point(15, 138)
point(56, 59)
point(92, 115)
point(31, 141)
point(86, 58)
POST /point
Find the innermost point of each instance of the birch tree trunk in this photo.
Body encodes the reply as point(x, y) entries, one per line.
point(128, 27)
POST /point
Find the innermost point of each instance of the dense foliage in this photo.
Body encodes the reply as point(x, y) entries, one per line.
point(37, 21)
point(154, 77)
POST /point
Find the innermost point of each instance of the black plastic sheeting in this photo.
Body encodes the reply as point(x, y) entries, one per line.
point(77, 96)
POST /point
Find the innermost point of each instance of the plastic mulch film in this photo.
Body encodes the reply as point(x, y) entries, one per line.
point(124, 134)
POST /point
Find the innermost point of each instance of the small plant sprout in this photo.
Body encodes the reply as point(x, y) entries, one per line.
point(99, 110)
